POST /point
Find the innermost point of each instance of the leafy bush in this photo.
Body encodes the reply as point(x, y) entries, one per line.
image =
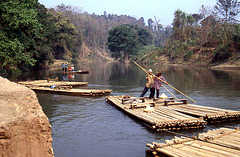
point(188, 55)
point(222, 53)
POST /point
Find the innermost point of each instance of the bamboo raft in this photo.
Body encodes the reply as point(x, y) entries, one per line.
point(73, 92)
point(209, 114)
point(220, 142)
point(154, 115)
point(47, 83)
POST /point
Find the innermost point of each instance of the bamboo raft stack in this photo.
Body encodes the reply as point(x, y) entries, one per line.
point(220, 142)
point(157, 117)
point(47, 83)
point(209, 114)
point(73, 92)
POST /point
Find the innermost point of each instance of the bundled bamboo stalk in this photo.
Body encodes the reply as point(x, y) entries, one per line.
point(209, 113)
point(160, 118)
point(222, 143)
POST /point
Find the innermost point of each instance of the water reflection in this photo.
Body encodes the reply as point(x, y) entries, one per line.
point(83, 126)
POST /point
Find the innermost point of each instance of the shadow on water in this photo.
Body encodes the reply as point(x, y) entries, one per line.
point(83, 126)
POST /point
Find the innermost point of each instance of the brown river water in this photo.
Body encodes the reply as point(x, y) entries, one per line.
point(85, 126)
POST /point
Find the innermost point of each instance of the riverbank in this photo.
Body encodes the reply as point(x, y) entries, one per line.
point(24, 128)
point(230, 65)
point(199, 57)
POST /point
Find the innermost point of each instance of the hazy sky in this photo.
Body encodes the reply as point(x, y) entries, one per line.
point(162, 9)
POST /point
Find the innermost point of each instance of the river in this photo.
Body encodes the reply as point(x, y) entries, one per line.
point(84, 126)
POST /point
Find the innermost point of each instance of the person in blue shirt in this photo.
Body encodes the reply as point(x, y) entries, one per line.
point(66, 67)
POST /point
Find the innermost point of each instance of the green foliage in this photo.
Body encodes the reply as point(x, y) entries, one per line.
point(144, 36)
point(213, 32)
point(222, 53)
point(124, 40)
point(30, 36)
point(143, 51)
point(66, 38)
point(11, 54)
point(236, 36)
point(188, 55)
point(46, 41)
point(19, 30)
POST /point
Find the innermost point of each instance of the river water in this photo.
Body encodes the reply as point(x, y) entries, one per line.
point(84, 126)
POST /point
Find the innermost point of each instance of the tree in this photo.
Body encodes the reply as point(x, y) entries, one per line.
point(179, 25)
point(66, 37)
point(125, 40)
point(144, 36)
point(228, 9)
point(48, 35)
point(19, 29)
point(122, 41)
point(150, 24)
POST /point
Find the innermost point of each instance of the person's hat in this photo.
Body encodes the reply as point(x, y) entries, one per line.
point(150, 70)
point(159, 72)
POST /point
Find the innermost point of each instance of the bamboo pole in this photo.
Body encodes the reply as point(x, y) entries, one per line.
point(201, 108)
point(205, 149)
point(158, 78)
point(166, 83)
point(219, 148)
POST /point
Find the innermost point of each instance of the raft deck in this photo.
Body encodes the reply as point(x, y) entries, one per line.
point(73, 92)
point(209, 114)
point(45, 83)
point(220, 142)
point(154, 115)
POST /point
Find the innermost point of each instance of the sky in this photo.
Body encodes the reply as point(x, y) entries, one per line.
point(163, 10)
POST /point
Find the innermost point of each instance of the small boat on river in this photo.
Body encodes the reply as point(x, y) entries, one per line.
point(76, 72)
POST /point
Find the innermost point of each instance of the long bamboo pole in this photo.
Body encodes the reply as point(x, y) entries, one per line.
point(158, 78)
point(165, 83)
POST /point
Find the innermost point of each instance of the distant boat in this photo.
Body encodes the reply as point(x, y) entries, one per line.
point(77, 72)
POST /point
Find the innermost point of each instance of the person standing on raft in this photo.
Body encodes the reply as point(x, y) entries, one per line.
point(63, 67)
point(149, 84)
point(158, 82)
point(66, 67)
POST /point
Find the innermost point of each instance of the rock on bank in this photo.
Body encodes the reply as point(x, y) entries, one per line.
point(24, 128)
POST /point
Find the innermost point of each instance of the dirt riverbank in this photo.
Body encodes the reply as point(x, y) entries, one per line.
point(24, 128)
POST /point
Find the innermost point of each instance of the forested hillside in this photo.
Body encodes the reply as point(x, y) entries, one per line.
point(33, 36)
point(208, 38)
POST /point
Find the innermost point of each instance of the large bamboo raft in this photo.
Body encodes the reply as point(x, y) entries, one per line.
point(209, 114)
point(154, 115)
point(73, 92)
point(47, 83)
point(220, 142)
